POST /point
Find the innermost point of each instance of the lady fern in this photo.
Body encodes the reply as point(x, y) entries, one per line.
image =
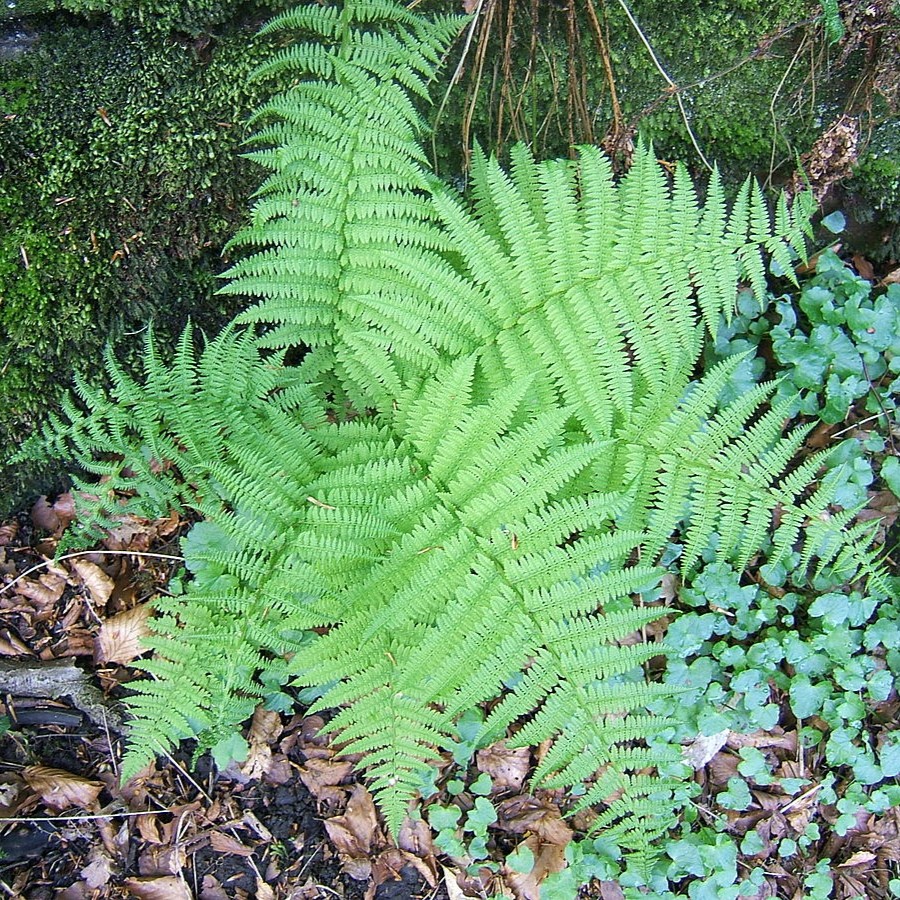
point(495, 432)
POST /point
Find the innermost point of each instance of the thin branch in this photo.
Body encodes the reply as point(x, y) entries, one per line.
point(49, 562)
point(673, 88)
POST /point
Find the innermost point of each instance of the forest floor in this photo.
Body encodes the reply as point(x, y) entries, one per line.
point(290, 821)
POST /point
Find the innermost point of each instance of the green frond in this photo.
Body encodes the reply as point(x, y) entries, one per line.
point(461, 493)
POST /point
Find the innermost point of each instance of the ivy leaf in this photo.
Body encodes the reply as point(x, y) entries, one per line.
point(232, 748)
point(737, 796)
point(890, 474)
point(807, 698)
point(835, 222)
point(889, 758)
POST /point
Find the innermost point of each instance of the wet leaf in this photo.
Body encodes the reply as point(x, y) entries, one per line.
point(321, 776)
point(225, 843)
point(703, 748)
point(355, 834)
point(99, 870)
point(46, 591)
point(265, 729)
point(53, 517)
point(507, 767)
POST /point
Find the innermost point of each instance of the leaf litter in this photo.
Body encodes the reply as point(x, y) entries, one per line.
point(292, 821)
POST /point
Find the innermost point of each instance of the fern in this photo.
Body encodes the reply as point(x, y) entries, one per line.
point(349, 182)
point(474, 472)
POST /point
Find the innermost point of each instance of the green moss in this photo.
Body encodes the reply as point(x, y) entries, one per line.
point(874, 192)
point(121, 181)
point(155, 16)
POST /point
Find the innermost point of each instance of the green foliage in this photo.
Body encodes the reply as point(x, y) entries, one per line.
point(833, 344)
point(464, 836)
point(831, 21)
point(483, 458)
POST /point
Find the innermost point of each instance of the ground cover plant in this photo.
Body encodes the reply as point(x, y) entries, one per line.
point(458, 470)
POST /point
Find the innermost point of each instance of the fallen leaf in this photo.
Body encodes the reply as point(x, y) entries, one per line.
point(548, 858)
point(225, 843)
point(169, 887)
point(415, 837)
point(50, 517)
point(526, 813)
point(321, 776)
point(389, 866)
point(507, 767)
point(46, 591)
point(355, 834)
point(454, 891)
point(98, 871)
point(97, 583)
point(263, 890)
point(863, 267)
point(121, 638)
point(61, 790)
point(265, 729)
point(703, 748)
point(547, 837)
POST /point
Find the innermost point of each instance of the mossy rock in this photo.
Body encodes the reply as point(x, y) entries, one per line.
point(121, 181)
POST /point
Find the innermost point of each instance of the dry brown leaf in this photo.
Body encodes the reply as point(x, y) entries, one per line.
point(46, 591)
point(863, 266)
point(121, 638)
point(264, 891)
point(169, 887)
point(265, 729)
point(94, 580)
point(225, 843)
point(355, 834)
point(609, 890)
point(99, 870)
point(508, 768)
point(454, 891)
point(44, 516)
point(762, 740)
point(548, 858)
point(77, 891)
point(526, 813)
point(389, 866)
point(547, 836)
point(703, 748)
point(61, 790)
point(860, 858)
point(211, 889)
point(415, 837)
point(321, 776)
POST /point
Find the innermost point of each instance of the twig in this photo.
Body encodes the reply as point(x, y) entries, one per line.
point(454, 80)
point(79, 818)
point(49, 562)
point(807, 793)
point(673, 88)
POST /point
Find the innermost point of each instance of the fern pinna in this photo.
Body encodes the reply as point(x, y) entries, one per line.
point(464, 491)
